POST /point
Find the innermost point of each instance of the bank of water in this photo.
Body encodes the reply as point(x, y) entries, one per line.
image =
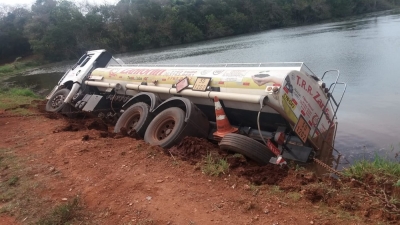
point(365, 49)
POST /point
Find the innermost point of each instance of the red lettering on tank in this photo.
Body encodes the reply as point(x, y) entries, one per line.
point(318, 100)
point(298, 80)
point(309, 89)
point(303, 84)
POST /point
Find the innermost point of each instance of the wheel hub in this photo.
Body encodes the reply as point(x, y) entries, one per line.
point(165, 129)
point(134, 121)
point(57, 101)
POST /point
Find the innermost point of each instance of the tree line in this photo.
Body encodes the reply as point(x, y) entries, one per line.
point(60, 30)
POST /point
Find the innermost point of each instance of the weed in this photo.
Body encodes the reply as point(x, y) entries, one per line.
point(275, 189)
point(295, 196)
point(62, 214)
point(17, 66)
point(214, 167)
point(14, 97)
point(13, 181)
point(379, 167)
point(6, 69)
point(397, 184)
point(254, 189)
point(347, 216)
point(237, 155)
point(22, 92)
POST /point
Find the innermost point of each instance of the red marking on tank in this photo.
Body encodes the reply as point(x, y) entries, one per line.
point(286, 90)
point(246, 83)
point(294, 101)
point(221, 82)
point(302, 112)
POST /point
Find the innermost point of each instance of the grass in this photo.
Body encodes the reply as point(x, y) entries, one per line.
point(62, 214)
point(380, 167)
point(397, 184)
point(295, 196)
point(214, 166)
point(19, 66)
point(14, 97)
point(274, 189)
point(18, 194)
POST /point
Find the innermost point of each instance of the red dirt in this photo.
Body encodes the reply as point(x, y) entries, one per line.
point(122, 180)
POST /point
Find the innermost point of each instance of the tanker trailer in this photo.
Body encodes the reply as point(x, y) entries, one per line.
point(269, 112)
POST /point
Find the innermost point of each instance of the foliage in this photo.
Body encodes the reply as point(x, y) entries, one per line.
point(380, 167)
point(13, 97)
point(59, 29)
point(16, 67)
point(214, 167)
point(62, 214)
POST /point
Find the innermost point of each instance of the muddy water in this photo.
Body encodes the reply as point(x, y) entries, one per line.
point(365, 49)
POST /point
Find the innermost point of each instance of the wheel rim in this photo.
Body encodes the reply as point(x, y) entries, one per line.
point(165, 128)
point(133, 121)
point(57, 101)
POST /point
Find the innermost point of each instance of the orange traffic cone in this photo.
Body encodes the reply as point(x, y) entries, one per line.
point(223, 125)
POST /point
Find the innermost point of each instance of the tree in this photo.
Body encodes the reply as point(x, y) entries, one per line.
point(13, 43)
point(57, 30)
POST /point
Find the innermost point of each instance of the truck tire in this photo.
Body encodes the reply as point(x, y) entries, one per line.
point(56, 102)
point(136, 118)
point(166, 128)
point(246, 146)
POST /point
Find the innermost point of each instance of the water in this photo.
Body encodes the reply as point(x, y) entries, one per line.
point(366, 50)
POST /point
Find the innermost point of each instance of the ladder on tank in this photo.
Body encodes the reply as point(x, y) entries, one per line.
point(331, 101)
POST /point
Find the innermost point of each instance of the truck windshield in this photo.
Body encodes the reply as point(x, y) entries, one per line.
point(85, 61)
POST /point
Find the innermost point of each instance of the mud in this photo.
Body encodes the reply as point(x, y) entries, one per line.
point(96, 124)
point(269, 174)
point(192, 149)
point(94, 162)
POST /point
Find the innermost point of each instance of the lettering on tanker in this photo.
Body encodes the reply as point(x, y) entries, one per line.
point(151, 72)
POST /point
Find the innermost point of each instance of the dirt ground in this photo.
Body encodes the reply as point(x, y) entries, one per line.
point(122, 180)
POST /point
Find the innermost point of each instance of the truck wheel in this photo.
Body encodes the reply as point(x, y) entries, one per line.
point(246, 146)
point(56, 102)
point(165, 129)
point(136, 118)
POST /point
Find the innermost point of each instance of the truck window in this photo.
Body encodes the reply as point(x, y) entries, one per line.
point(85, 61)
point(81, 59)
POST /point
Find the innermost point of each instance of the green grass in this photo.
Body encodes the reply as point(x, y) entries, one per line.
point(8, 68)
point(62, 214)
point(214, 166)
point(380, 167)
point(18, 67)
point(14, 97)
point(397, 184)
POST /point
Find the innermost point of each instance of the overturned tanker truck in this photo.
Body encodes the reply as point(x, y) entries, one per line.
point(268, 112)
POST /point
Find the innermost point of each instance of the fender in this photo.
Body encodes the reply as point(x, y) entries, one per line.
point(147, 97)
point(197, 124)
point(183, 103)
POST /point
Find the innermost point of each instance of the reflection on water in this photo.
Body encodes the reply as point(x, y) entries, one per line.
point(365, 49)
